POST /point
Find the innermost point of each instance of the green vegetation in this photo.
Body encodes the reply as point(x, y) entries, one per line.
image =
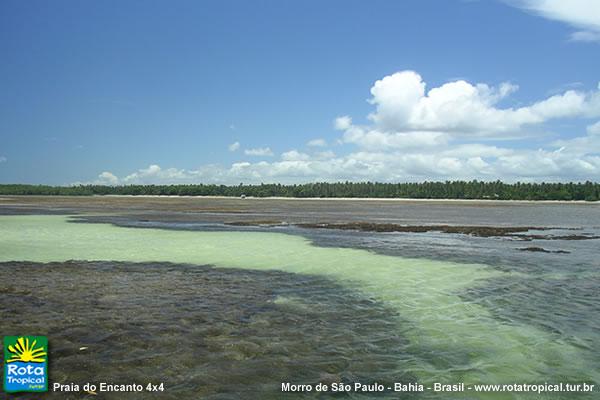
point(588, 191)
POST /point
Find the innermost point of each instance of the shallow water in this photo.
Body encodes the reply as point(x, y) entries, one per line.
point(453, 316)
point(204, 332)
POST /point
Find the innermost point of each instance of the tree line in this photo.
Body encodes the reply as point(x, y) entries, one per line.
point(497, 190)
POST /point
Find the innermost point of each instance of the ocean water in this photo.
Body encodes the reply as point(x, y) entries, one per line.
point(458, 309)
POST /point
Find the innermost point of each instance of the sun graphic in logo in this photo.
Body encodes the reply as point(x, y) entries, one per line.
point(26, 352)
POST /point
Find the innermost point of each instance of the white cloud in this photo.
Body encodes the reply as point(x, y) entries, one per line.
point(107, 178)
point(294, 155)
point(3, 159)
point(576, 159)
point(234, 146)
point(324, 155)
point(155, 174)
point(342, 123)
point(583, 15)
point(465, 109)
point(581, 145)
point(260, 151)
point(594, 129)
point(473, 150)
point(585, 36)
point(317, 143)
point(377, 140)
point(452, 131)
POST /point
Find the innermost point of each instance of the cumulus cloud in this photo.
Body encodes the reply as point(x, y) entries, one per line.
point(373, 139)
point(513, 165)
point(583, 15)
point(573, 159)
point(581, 145)
point(342, 123)
point(324, 155)
point(409, 117)
point(465, 109)
point(107, 178)
point(317, 143)
point(234, 146)
point(294, 155)
point(458, 130)
point(260, 151)
point(155, 174)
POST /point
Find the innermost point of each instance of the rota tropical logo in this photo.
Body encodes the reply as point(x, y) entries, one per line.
point(25, 364)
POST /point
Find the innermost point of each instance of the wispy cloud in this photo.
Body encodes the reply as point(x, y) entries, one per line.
point(583, 15)
point(260, 151)
point(317, 143)
point(585, 36)
point(594, 129)
point(234, 146)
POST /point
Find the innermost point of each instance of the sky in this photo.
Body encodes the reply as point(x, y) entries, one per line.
point(229, 92)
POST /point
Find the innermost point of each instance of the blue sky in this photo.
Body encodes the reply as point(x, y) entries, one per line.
point(123, 92)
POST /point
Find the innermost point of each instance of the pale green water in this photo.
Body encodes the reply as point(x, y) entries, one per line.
point(453, 340)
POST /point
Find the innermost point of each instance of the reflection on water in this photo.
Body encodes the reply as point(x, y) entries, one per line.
point(204, 332)
point(458, 319)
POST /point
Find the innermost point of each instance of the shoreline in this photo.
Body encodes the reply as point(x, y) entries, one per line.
point(391, 199)
point(280, 198)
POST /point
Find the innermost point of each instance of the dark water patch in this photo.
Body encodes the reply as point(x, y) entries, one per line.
point(560, 237)
point(264, 223)
point(205, 332)
point(514, 232)
point(32, 210)
point(543, 250)
point(498, 253)
point(482, 231)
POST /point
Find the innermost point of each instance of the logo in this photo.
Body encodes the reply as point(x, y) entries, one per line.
point(25, 364)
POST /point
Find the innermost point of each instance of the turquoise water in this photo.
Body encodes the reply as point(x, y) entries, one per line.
point(451, 339)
